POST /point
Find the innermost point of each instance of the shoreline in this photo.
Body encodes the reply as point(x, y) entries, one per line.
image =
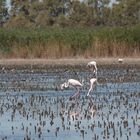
point(65, 61)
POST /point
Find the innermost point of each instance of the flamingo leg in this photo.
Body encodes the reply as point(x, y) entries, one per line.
point(76, 94)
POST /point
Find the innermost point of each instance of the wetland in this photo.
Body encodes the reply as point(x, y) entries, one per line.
point(32, 105)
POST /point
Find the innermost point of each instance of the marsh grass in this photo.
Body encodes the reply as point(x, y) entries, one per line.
point(70, 42)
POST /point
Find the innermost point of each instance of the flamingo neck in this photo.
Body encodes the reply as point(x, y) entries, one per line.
point(82, 82)
point(95, 70)
point(95, 73)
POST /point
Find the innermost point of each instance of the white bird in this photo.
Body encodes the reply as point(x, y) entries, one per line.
point(93, 64)
point(74, 83)
point(120, 60)
point(93, 81)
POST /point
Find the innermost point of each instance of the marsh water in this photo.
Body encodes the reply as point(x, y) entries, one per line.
point(32, 105)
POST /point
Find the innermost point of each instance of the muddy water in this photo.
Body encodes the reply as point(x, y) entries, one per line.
point(32, 106)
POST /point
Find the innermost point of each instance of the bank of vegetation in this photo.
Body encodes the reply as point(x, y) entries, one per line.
point(58, 29)
point(70, 42)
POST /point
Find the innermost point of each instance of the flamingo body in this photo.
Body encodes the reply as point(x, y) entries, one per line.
point(71, 82)
point(74, 83)
point(92, 63)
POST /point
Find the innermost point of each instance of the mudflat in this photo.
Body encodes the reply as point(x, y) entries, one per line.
point(75, 61)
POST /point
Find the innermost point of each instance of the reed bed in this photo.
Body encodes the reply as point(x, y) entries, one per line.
point(70, 42)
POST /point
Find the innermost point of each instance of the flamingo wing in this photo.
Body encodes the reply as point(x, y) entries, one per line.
point(74, 82)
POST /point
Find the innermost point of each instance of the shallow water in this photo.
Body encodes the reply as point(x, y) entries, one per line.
point(32, 106)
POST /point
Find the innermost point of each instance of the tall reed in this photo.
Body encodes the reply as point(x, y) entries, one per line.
point(70, 42)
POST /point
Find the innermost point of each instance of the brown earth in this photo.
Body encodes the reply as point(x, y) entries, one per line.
point(66, 61)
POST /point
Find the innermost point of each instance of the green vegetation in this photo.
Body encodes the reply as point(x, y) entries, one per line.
point(67, 28)
point(69, 42)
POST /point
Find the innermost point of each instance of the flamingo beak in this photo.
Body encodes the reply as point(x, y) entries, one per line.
point(87, 65)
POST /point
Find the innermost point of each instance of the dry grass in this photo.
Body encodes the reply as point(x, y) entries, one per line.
point(55, 51)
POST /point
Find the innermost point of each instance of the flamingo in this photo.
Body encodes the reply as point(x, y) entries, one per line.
point(74, 83)
point(93, 64)
point(93, 81)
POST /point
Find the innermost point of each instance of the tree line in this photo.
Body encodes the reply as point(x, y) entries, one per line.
point(69, 13)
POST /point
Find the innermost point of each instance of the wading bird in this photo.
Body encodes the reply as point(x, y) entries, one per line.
point(93, 81)
point(93, 64)
point(74, 83)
